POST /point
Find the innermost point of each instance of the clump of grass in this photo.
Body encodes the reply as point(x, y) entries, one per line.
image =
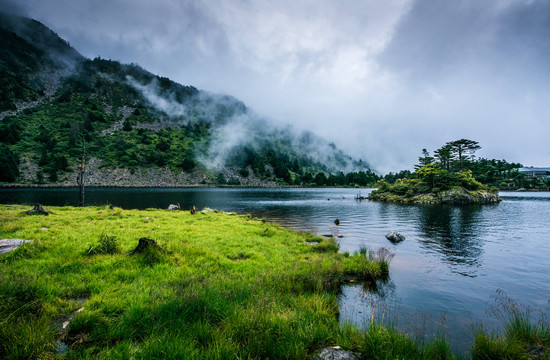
point(523, 336)
point(152, 255)
point(382, 257)
point(368, 265)
point(105, 245)
point(325, 245)
point(385, 342)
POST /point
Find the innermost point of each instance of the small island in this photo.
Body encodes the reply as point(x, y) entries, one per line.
point(446, 181)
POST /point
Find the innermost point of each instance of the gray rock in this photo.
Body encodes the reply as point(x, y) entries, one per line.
point(334, 353)
point(173, 207)
point(394, 236)
point(7, 245)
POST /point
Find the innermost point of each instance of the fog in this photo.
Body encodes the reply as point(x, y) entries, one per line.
point(382, 79)
point(234, 125)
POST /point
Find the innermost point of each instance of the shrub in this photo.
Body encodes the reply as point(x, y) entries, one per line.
point(106, 245)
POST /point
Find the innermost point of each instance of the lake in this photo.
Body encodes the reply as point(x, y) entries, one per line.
point(455, 265)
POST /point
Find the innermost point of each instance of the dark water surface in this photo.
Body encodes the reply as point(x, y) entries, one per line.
point(444, 276)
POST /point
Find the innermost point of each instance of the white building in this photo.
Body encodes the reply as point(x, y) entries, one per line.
point(535, 172)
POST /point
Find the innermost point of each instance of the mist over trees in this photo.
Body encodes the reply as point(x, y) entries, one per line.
point(52, 98)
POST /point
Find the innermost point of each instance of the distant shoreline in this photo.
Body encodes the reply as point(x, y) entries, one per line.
point(198, 186)
point(54, 186)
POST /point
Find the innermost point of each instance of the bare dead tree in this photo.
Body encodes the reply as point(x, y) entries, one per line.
point(80, 179)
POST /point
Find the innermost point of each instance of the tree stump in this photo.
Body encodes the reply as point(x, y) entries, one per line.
point(38, 210)
point(143, 244)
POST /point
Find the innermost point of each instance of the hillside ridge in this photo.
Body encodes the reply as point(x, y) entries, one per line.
point(54, 99)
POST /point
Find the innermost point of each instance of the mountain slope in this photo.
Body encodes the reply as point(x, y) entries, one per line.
point(139, 128)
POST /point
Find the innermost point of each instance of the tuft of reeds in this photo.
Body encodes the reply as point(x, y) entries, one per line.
point(522, 336)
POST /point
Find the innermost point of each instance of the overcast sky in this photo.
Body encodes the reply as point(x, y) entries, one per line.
point(382, 79)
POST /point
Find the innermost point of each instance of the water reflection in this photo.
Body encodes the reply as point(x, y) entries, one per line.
point(452, 231)
point(364, 302)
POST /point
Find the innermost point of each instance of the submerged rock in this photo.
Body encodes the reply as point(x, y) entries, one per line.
point(394, 237)
point(334, 353)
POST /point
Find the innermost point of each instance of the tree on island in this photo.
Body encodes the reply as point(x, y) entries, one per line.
point(433, 176)
point(424, 160)
point(445, 156)
point(462, 147)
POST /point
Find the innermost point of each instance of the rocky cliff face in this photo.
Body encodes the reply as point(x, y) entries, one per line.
point(455, 196)
point(98, 175)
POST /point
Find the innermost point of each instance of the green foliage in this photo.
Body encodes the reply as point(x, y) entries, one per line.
point(106, 245)
point(9, 165)
point(457, 166)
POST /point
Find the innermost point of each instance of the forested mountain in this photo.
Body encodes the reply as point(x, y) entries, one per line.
point(139, 128)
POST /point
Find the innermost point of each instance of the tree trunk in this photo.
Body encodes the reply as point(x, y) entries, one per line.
point(143, 244)
point(38, 210)
point(81, 178)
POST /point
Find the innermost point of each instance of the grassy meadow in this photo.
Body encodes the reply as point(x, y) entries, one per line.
point(221, 286)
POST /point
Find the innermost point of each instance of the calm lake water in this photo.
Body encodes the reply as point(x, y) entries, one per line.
point(444, 278)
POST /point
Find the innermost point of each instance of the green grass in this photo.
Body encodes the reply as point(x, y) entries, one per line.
point(522, 337)
point(223, 286)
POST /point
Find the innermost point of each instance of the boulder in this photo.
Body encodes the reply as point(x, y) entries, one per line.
point(7, 245)
point(174, 207)
point(394, 237)
point(334, 353)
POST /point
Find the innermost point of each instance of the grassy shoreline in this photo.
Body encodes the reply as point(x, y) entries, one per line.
point(222, 286)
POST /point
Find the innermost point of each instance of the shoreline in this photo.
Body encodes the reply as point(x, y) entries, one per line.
point(198, 186)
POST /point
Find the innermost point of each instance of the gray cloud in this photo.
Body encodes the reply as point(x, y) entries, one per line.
point(381, 79)
point(12, 7)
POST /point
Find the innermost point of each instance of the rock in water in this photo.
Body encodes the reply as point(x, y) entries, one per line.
point(334, 353)
point(337, 222)
point(394, 237)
